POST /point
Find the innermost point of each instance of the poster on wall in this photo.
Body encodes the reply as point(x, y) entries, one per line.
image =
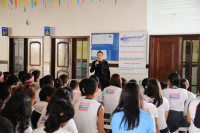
point(132, 52)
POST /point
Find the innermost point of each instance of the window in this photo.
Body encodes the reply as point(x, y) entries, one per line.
point(81, 58)
point(190, 63)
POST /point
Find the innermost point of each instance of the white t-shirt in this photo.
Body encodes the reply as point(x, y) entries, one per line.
point(98, 96)
point(192, 108)
point(41, 130)
point(176, 98)
point(150, 108)
point(191, 97)
point(71, 126)
point(37, 95)
point(86, 115)
point(111, 96)
point(41, 107)
point(77, 94)
point(161, 121)
point(37, 85)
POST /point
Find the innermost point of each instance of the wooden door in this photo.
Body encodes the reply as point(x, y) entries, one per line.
point(165, 57)
point(61, 58)
point(35, 55)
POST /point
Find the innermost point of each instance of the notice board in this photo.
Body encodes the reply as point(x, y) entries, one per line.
point(108, 43)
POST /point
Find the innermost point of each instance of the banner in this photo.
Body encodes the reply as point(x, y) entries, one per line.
point(132, 52)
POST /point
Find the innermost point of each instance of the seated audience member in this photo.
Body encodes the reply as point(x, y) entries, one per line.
point(12, 81)
point(48, 80)
point(192, 113)
point(21, 74)
point(60, 113)
point(133, 81)
point(58, 94)
point(98, 96)
point(144, 85)
point(29, 90)
point(163, 85)
point(6, 76)
point(58, 83)
point(38, 91)
point(76, 92)
point(4, 94)
point(36, 75)
point(18, 111)
point(124, 81)
point(28, 79)
point(111, 94)
point(88, 112)
point(81, 87)
point(1, 77)
point(154, 96)
point(184, 83)
point(40, 107)
point(176, 97)
point(128, 115)
point(64, 79)
point(5, 125)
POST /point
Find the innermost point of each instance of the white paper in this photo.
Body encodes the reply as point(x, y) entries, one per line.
point(94, 53)
point(132, 52)
point(102, 39)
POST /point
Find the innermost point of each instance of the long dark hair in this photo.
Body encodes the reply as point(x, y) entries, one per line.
point(131, 101)
point(61, 112)
point(4, 93)
point(18, 111)
point(154, 91)
point(184, 84)
point(58, 94)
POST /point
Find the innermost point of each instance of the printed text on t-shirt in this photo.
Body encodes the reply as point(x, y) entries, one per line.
point(174, 96)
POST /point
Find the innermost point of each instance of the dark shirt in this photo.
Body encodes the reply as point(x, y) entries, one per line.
point(101, 70)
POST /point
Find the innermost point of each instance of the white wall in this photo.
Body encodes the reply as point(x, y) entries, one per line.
point(79, 20)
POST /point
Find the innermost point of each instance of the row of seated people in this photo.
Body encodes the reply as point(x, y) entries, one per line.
point(47, 105)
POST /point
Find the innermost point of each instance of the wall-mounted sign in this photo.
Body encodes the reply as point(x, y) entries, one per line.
point(4, 31)
point(47, 31)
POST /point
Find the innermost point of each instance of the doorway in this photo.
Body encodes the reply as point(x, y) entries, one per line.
point(25, 54)
point(175, 54)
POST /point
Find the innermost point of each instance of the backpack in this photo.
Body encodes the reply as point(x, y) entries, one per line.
point(197, 117)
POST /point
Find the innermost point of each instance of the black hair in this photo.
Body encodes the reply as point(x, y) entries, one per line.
point(5, 125)
point(124, 81)
point(95, 77)
point(183, 84)
point(48, 79)
point(73, 84)
point(64, 78)
point(154, 91)
point(36, 74)
point(47, 90)
point(144, 84)
point(106, 83)
point(81, 86)
point(131, 101)
point(58, 94)
point(61, 112)
point(6, 75)
point(174, 79)
point(21, 74)
point(12, 80)
point(58, 83)
point(133, 81)
point(100, 52)
point(18, 110)
point(163, 85)
point(69, 90)
point(90, 86)
point(4, 93)
point(26, 76)
point(41, 83)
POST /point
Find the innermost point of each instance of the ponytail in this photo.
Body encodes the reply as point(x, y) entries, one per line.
point(61, 111)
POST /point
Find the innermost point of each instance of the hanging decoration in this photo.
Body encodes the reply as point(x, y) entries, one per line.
point(35, 3)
